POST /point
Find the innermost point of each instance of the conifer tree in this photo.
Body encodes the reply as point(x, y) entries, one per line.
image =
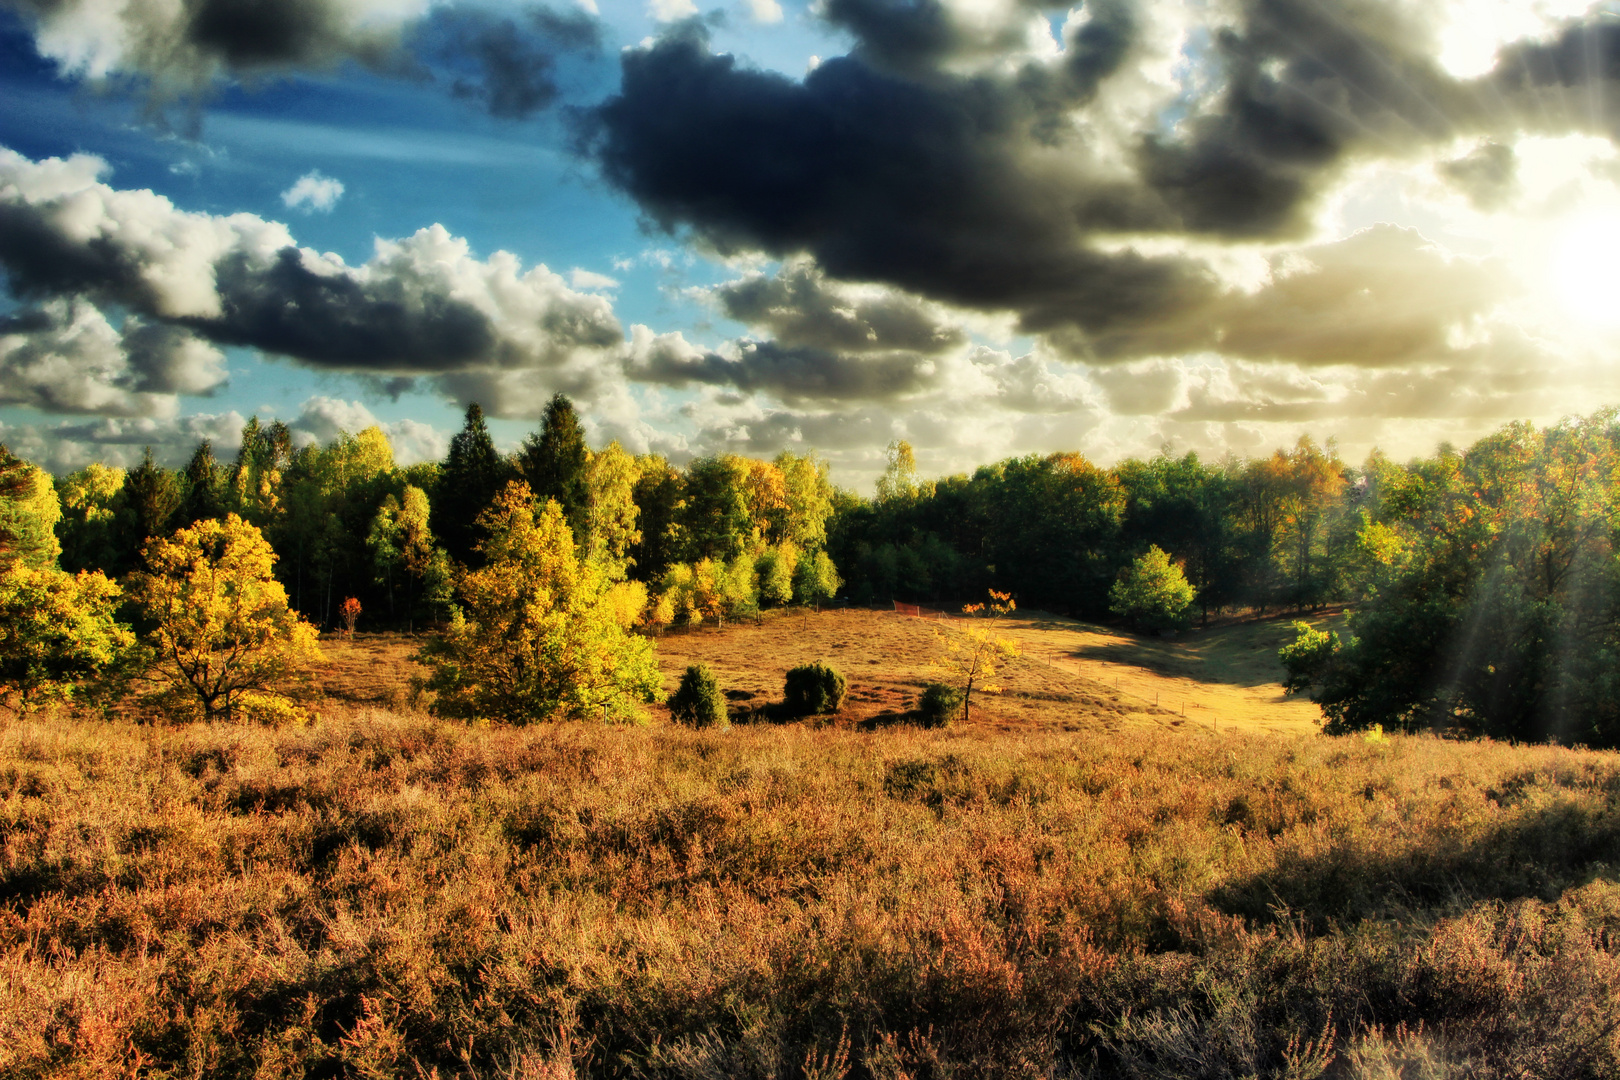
point(473, 472)
point(554, 462)
point(203, 498)
point(154, 498)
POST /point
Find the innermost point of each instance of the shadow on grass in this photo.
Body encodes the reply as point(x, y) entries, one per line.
point(1244, 654)
point(1537, 855)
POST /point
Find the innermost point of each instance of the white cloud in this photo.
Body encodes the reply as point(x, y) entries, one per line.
point(765, 11)
point(313, 192)
point(590, 281)
point(671, 10)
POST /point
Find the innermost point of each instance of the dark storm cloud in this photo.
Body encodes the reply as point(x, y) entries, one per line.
point(880, 178)
point(336, 320)
point(800, 307)
point(184, 46)
point(976, 187)
point(788, 373)
point(508, 64)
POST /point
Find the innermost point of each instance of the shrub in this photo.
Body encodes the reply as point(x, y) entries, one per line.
point(698, 702)
point(1153, 593)
point(939, 704)
point(812, 690)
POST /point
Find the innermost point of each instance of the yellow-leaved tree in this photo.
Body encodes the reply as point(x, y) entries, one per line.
point(539, 633)
point(975, 653)
point(57, 630)
point(225, 645)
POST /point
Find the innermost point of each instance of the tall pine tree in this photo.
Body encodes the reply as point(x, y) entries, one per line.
point(473, 472)
point(553, 462)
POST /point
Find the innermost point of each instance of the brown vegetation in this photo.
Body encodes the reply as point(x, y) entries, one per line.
point(385, 894)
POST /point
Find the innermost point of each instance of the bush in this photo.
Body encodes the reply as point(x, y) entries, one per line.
point(699, 702)
point(812, 690)
point(1153, 593)
point(939, 704)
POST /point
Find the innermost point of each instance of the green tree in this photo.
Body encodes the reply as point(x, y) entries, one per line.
point(94, 517)
point(715, 522)
point(225, 645)
point(540, 635)
point(898, 484)
point(1152, 593)
point(611, 512)
point(202, 485)
point(697, 702)
point(815, 579)
point(555, 462)
point(29, 511)
point(472, 475)
point(658, 496)
point(57, 630)
point(807, 495)
point(153, 496)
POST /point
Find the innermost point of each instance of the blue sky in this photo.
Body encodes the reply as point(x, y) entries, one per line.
point(986, 226)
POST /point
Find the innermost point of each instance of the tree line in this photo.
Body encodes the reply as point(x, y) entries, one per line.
point(1483, 582)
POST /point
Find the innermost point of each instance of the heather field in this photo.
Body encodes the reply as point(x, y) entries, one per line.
point(1075, 884)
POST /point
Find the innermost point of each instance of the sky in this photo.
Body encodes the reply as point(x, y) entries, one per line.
point(987, 227)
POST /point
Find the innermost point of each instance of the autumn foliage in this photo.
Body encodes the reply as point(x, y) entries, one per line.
point(224, 645)
point(539, 634)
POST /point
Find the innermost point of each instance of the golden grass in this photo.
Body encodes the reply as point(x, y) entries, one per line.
point(1226, 676)
point(383, 894)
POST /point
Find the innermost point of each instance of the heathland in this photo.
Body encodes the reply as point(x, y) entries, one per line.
point(1131, 862)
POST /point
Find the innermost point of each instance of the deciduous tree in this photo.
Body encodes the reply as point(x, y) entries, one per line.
point(540, 635)
point(225, 645)
point(975, 653)
point(57, 630)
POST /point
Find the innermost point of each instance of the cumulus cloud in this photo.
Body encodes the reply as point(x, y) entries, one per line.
point(322, 419)
point(64, 356)
point(423, 304)
point(313, 191)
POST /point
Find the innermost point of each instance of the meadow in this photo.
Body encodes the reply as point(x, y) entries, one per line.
point(1078, 883)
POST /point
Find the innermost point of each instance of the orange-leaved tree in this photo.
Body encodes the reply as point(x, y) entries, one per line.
point(225, 645)
point(975, 653)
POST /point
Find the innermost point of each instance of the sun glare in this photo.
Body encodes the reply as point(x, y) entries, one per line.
point(1586, 270)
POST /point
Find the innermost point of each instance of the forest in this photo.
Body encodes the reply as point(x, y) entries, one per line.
point(1482, 583)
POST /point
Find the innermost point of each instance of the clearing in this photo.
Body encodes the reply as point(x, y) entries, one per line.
point(1071, 676)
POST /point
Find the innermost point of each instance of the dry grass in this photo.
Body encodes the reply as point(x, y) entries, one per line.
point(1223, 677)
point(387, 895)
point(888, 659)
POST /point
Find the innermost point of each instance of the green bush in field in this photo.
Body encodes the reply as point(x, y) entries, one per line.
point(698, 702)
point(813, 690)
point(939, 704)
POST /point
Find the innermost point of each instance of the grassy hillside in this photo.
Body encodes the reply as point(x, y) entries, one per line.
point(383, 894)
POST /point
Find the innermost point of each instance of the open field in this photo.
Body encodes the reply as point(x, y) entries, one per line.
point(1069, 886)
point(1071, 675)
